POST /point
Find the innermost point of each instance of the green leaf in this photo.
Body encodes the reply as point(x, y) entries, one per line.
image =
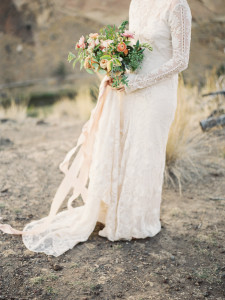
point(106, 57)
point(101, 71)
point(74, 63)
point(96, 66)
point(89, 71)
point(71, 56)
point(81, 64)
point(118, 63)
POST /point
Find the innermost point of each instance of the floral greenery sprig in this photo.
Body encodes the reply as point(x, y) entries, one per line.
point(110, 52)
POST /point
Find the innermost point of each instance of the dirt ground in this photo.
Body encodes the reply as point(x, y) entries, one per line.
point(186, 260)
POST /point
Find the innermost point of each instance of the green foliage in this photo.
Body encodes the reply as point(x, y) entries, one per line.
point(123, 26)
point(71, 56)
point(110, 32)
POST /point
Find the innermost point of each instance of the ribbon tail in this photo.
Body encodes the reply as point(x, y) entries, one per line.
point(6, 228)
point(80, 165)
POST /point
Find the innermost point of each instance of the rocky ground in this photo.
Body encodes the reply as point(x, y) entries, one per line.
point(186, 260)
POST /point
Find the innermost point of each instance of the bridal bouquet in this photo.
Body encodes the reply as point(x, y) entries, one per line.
point(112, 52)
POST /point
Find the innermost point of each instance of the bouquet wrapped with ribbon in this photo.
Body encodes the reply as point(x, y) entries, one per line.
point(113, 51)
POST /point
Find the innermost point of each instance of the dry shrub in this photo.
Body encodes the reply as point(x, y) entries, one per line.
point(15, 112)
point(78, 109)
point(191, 154)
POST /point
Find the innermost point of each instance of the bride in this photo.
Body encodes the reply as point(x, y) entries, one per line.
point(119, 158)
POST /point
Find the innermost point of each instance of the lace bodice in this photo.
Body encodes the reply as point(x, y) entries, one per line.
point(166, 25)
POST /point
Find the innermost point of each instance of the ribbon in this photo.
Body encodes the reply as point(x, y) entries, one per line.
point(76, 176)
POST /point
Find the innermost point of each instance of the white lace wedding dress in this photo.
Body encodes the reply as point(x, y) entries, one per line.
point(128, 155)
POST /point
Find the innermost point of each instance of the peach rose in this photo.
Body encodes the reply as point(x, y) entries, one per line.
point(93, 35)
point(109, 66)
point(86, 63)
point(103, 63)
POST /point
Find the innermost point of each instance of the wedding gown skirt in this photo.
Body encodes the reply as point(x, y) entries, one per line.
point(123, 145)
point(126, 173)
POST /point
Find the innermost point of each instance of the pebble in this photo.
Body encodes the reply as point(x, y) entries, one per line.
point(57, 267)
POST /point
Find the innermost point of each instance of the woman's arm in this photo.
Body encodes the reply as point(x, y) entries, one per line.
point(180, 25)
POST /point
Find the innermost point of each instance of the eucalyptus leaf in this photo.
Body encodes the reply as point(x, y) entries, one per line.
point(101, 71)
point(89, 71)
point(106, 57)
point(71, 56)
point(81, 65)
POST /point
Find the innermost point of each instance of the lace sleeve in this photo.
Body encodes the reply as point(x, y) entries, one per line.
point(179, 21)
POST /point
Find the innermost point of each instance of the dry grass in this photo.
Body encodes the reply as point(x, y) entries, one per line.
point(17, 112)
point(191, 153)
point(69, 109)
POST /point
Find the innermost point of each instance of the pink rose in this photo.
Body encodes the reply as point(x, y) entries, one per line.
point(128, 34)
point(92, 45)
point(81, 43)
point(105, 44)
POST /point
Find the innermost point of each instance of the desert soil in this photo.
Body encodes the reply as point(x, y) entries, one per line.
point(186, 260)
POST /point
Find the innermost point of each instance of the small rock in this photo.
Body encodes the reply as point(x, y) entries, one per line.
point(172, 257)
point(28, 253)
point(206, 294)
point(57, 267)
point(19, 48)
point(4, 120)
point(165, 280)
point(41, 122)
point(5, 142)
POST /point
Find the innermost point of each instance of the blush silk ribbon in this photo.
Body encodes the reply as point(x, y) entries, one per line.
point(76, 176)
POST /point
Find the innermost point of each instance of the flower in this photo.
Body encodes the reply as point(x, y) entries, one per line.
point(109, 66)
point(106, 43)
point(125, 52)
point(81, 43)
point(103, 63)
point(121, 47)
point(86, 63)
point(91, 45)
point(118, 73)
point(93, 35)
point(128, 34)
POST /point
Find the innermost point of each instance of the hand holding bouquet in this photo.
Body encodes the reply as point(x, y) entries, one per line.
point(110, 52)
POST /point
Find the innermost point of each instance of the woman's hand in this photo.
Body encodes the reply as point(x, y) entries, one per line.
point(120, 88)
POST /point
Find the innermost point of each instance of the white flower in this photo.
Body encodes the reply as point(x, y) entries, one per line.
point(107, 43)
